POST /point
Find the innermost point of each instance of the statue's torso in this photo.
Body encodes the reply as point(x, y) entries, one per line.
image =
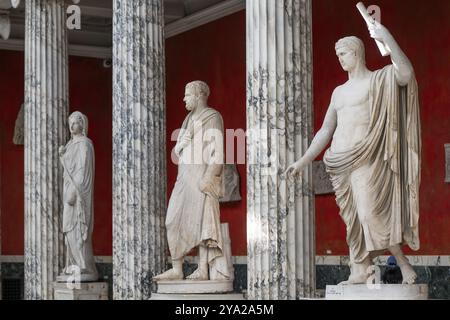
point(351, 102)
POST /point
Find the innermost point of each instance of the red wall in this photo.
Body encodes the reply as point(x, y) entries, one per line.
point(214, 53)
point(11, 156)
point(422, 28)
point(90, 93)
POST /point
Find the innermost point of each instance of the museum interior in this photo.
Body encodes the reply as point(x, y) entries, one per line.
point(208, 40)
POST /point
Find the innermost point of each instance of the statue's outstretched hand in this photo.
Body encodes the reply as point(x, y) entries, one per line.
point(295, 169)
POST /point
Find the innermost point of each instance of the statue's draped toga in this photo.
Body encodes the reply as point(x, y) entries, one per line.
point(78, 219)
point(193, 215)
point(377, 181)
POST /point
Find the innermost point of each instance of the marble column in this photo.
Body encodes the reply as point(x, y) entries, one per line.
point(280, 218)
point(46, 110)
point(139, 152)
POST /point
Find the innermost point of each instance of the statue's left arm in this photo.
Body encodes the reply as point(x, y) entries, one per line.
point(403, 67)
point(213, 136)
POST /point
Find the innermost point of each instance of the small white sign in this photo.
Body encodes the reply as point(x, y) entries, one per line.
point(334, 291)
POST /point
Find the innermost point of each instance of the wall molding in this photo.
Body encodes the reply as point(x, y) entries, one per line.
point(74, 50)
point(427, 261)
point(193, 21)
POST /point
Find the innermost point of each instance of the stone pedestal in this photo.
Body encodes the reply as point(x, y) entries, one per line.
point(228, 296)
point(194, 287)
point(80, 291)
point(377, 292)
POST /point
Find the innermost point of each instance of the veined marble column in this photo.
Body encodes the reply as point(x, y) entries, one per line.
point(139, 152)
point(46, 110)
point(280, 221)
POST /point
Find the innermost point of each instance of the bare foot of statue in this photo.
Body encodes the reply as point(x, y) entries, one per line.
point(355, 279)
point(408, 273)
point(359, 273)
point(199, 274)
point(171, 274)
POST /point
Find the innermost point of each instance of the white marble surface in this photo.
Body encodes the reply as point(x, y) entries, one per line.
point(194, 286)
point(209, 296)
point(77, 158)
point(427, 261)
point(193, 213)
point(46, 110)
point(280, 218)
point(139, 152)
point(81, 291)
point(377, 292)
point(375, 154)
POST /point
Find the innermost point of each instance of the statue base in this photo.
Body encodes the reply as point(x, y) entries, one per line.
point(377, 292)
point(173, 296)
point(80, 291)
point(194, 286)
point(64, 278)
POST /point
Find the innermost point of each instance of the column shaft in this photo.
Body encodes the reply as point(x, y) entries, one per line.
point(139, 153)
point(280, 221)
point(46, 110)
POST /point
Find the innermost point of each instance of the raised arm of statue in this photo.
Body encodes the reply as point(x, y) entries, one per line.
point(401, 63)
point(320, 141)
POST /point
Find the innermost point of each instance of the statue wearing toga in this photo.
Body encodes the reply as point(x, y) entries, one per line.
point(374, 158)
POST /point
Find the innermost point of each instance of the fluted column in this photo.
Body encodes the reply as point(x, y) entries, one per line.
point(46, 110)
point(280, 221)
point(139, 153)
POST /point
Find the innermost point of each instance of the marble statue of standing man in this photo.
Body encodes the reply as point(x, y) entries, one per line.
point(77, 159)
point(374, 158)
point(193, 214)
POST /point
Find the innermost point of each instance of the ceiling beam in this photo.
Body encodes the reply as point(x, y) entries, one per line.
point(202, 17)
point(172, 10)
point(96, 11)
point(74, 50)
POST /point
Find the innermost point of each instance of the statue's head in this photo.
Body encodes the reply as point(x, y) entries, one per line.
point(350, 52)
point(78, 124)
point(196, 92)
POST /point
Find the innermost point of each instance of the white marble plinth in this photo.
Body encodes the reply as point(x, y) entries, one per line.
point(194, 287)
point(377, 292)
point(172, 296)
point(81, 278)
point(80, 291)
